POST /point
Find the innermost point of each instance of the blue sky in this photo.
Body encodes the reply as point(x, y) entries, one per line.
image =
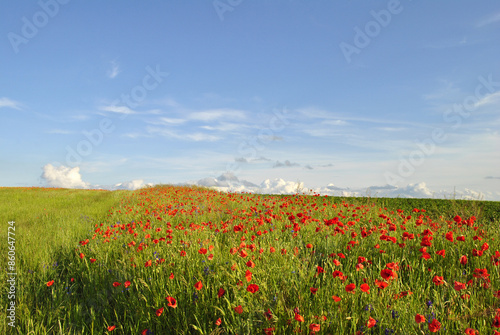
point(337, 95)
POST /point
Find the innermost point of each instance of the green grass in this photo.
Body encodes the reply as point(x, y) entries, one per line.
point(127, 229)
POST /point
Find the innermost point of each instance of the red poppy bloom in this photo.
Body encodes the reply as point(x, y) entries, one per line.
point(365, 288)
point(381, 284)
point(319, 269)
point(248, 275)
point(50, 283)
point(252, 288)
point(449, 236)
point(313, 290)
point(148, 263)
point(388, 274)
point(268, 314)
point(221, 292)
point(116, 284)
point(315, 327)
point(183, 253)
point(198, 285)
point(92, 260)
point(350, 288)
point(202, 251)
point(419, 318)
point(496, 322)
point(238, 309)
point(171, 275)
point(111, 328)
point(250, 264)
point(218, 322)
point(461, 238)
point(171, 302)
point(463, 260)
point(159, 311)
point(434, 326)
point(299, 317)
point(371, 322)
point(336, 299)
point(309, 245)
point(126, 284)
point(82, 255)
point(470, 331)
point(438, 280)
point(459, 286)
point(441, 252)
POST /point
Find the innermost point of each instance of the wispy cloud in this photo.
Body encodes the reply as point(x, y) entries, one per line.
point(114, 71)
point(8, 103)
point(196, 137)
point(60, 131)
point(117, 109)
point(488, 20)
point(493, 98)
point(286, 163)
point(217, 114)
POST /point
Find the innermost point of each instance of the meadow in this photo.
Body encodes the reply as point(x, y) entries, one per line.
point(188, 260)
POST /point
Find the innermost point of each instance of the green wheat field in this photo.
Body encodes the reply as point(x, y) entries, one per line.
point(189, 260)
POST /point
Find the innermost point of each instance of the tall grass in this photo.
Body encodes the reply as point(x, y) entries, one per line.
point(115, 257)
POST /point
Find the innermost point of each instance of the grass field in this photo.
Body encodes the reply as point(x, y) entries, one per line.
point(179, 260)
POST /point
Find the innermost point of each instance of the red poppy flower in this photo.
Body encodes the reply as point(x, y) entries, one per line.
point(159, 311)
point(238, 309)
point(111, 328)
point(461, 238)
point(50, 283)
point(336, 299)
point(268, 314)
point(419, 318)
point(82, 255)
point(463, 260)
point(198, 285)
point(365, 288)
point(350, 288)
point(434, 326)
point(313, 290)
point(309, 245)
point(221, 292)
point(252, 288)
point(92, 260)
point(299, 317)
point(315, 327)
point(126, 284)
point(116, 284)
point(183, 253)
point(319, 269)
point(470, 331)
point(438, 280)
point(371, 322)
point(248, 275)
point(496, 322)
point(202, 251)
point(388, 274)
point(441, 252)
point(449, 236)
point(171, 275)
point(459, 286)
point(381, 284)
point(250, 264)
point(218, 322)
point(171, 302)
point(148, 263)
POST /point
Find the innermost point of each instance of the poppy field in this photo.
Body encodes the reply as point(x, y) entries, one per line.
point(189, 260)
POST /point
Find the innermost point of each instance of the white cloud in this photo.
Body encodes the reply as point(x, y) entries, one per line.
point(493, 98)
point(114, 71)
point(217, 114)
point(117, 109)
point(489, 20)
point(230, 183)
point(6, 102)
point(63, 176)
point(131, 185)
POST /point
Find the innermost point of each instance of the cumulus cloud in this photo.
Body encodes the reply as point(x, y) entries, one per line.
point(491, 177)
point(230, 183)
point(63, 176)
point(66, 177)
point(131, 185)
